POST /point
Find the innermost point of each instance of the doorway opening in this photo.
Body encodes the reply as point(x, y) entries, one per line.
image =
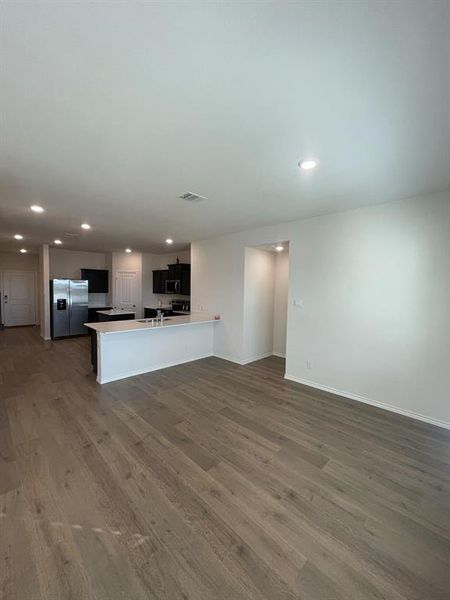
point(265, 301)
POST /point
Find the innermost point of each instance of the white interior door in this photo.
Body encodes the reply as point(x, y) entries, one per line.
point(126, 290)
point(19, 298)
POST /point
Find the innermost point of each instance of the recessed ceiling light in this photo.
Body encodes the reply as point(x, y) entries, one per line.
point(57, 242)
point(128, 250)
point(85, 226)
point(279, 248)
point(169, 241)
point(308, 163)
point(37, 209)
point(23, 250)
point(18, 236)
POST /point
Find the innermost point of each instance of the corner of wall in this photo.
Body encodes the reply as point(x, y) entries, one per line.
point(44, 291)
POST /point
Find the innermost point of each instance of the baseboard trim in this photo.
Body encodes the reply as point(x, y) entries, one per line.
point(249, 360)
point(155, 368)
point(255, 358)
point(227, 358)
point(365, 400)
point(242, 362)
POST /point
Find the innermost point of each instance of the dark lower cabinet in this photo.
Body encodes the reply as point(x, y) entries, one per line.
point(94, 350)
point(104, 318)
point(92, 313)
point(152, 313)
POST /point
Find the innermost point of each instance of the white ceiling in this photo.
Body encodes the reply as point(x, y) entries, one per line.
point(110, 110)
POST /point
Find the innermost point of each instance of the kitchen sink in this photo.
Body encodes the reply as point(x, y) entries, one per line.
point(154, 321)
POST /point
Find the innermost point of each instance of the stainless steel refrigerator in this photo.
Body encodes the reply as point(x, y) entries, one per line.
point(68, 307)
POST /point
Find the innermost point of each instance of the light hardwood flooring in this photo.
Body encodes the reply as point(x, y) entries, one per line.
point(210, 481)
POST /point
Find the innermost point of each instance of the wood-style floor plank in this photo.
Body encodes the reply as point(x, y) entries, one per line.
point(210, 481)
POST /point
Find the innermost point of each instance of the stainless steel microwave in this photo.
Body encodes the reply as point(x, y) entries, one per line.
point(173, 286)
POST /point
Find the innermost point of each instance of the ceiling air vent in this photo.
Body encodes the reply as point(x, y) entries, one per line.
point(191, 197)
point(70, 234)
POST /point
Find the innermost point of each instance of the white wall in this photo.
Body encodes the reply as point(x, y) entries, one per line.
point(258, 304)
point(217, 286)
point(153, 262)
point(14, 261)
point(280, 303)
point(374, 285)
point(67, 264)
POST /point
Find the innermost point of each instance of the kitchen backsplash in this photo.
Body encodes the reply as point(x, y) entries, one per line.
point(98, 300)
point(166, 299)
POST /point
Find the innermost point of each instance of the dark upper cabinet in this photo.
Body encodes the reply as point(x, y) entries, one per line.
point(186, 282)
point(175, 271)
point(98, 280)
point(159, 281)
point(179, 272)
point(156, 282)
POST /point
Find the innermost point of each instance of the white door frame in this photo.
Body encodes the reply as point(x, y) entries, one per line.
point(3, 275)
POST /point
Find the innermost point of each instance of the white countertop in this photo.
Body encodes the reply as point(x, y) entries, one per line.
point(115, 311)
point(168, 307)
point(136, 325)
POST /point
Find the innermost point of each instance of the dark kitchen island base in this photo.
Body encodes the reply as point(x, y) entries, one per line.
point(102, 318)
point(94, 350)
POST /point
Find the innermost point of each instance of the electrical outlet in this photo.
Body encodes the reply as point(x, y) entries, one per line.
point(298, 302)
point(309, 364)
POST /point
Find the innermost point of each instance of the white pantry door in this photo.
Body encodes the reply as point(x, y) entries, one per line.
point(19, 298)
point(126, 290)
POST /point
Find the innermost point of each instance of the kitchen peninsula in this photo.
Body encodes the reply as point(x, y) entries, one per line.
point(122, 349)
